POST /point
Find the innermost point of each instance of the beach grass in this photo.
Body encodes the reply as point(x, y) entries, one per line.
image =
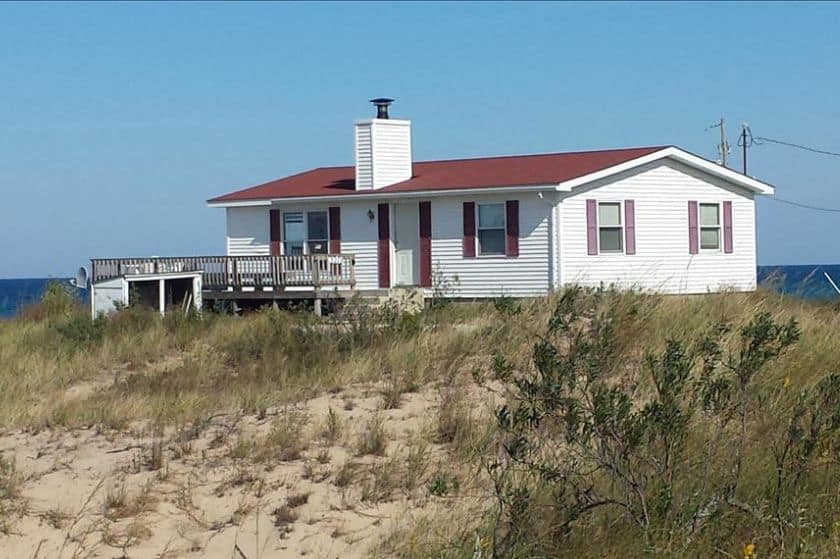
point(60, 370)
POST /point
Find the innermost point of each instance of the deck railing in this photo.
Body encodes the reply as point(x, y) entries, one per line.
point(223, 272)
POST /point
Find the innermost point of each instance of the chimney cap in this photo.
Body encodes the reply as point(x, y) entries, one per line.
point(382, 104)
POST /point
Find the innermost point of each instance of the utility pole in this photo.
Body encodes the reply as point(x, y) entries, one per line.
point(723, 146)
point(745, 143)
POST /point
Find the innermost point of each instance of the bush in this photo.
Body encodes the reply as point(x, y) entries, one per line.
point(56, 305)
point(57, 301)
point(186, 327)
point(131, 322)
point(668, 456)
point(442, 484)
point(80, 332)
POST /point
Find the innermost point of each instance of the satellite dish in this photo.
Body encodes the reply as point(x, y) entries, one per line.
point(81, 279)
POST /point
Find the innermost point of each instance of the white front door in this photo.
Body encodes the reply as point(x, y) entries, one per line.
point(406, 243)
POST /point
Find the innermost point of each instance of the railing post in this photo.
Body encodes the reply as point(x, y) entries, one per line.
point(272, 264)
point(313, 264)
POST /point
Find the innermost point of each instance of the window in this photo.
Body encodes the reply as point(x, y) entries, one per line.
point(610, 230)
point(309, 236)
point(710, 226)
point(491, 229)
point(293, 233)
point(317, 232)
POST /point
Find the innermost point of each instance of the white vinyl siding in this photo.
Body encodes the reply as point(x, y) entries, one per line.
point(391, 152)
point(383, 153)
point(359, 236)
point(662, 262)
point(492, 276)
point(364, 158)
point(247, 231)
point(248, 234)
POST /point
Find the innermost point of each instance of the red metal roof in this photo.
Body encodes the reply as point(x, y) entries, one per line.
point(453, 174)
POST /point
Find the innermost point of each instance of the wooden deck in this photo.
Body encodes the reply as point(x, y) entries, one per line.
point(238, 273)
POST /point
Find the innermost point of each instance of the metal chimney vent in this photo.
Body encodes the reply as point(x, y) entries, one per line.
point(382, 104)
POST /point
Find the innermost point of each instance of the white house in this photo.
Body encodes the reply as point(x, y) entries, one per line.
point(652, 218)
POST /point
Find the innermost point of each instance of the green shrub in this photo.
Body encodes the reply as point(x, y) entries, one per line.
point(442, 484)
point(131, 322)
point(668, 457)
point(80, 332)
point(186, 327)
point(58, 302)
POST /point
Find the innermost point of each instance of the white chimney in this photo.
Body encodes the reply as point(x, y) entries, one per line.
point(383, 149)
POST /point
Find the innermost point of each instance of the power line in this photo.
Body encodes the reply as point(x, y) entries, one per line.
point(805, 206)
point(747, 140)
point(758, 140)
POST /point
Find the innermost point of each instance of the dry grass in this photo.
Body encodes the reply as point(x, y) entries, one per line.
point(417, 461)
point(118, 503)
point(647, 322)
point(347, 474)
point(12, 505)
point(287, 439)
point(372, 438)
point(296, 500)
point(332, 428)
point(178, 372)
point(383, 480)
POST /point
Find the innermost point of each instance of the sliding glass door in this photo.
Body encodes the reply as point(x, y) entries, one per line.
point(294, 233)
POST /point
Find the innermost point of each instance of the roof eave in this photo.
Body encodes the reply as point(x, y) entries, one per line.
point(739, 179)
point(216, 203)
point(379, 194)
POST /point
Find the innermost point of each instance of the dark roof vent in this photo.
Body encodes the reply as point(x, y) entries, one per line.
point(382, 104)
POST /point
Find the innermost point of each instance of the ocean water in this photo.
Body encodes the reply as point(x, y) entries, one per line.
point(806, 281)
point(16, 294)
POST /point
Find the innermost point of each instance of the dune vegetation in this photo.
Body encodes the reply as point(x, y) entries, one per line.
point(591, 423)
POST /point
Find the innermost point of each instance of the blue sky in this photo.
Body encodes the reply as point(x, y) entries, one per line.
point(117, 121)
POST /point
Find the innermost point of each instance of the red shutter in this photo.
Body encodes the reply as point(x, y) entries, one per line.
point(275, 228)
point(384, 247)
point(425, 244)
point(469, 229)
point(727, 227)
point(512, 229)
point(629, 227)
point(693, 244)
point(591, 227)
point(335, 230)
